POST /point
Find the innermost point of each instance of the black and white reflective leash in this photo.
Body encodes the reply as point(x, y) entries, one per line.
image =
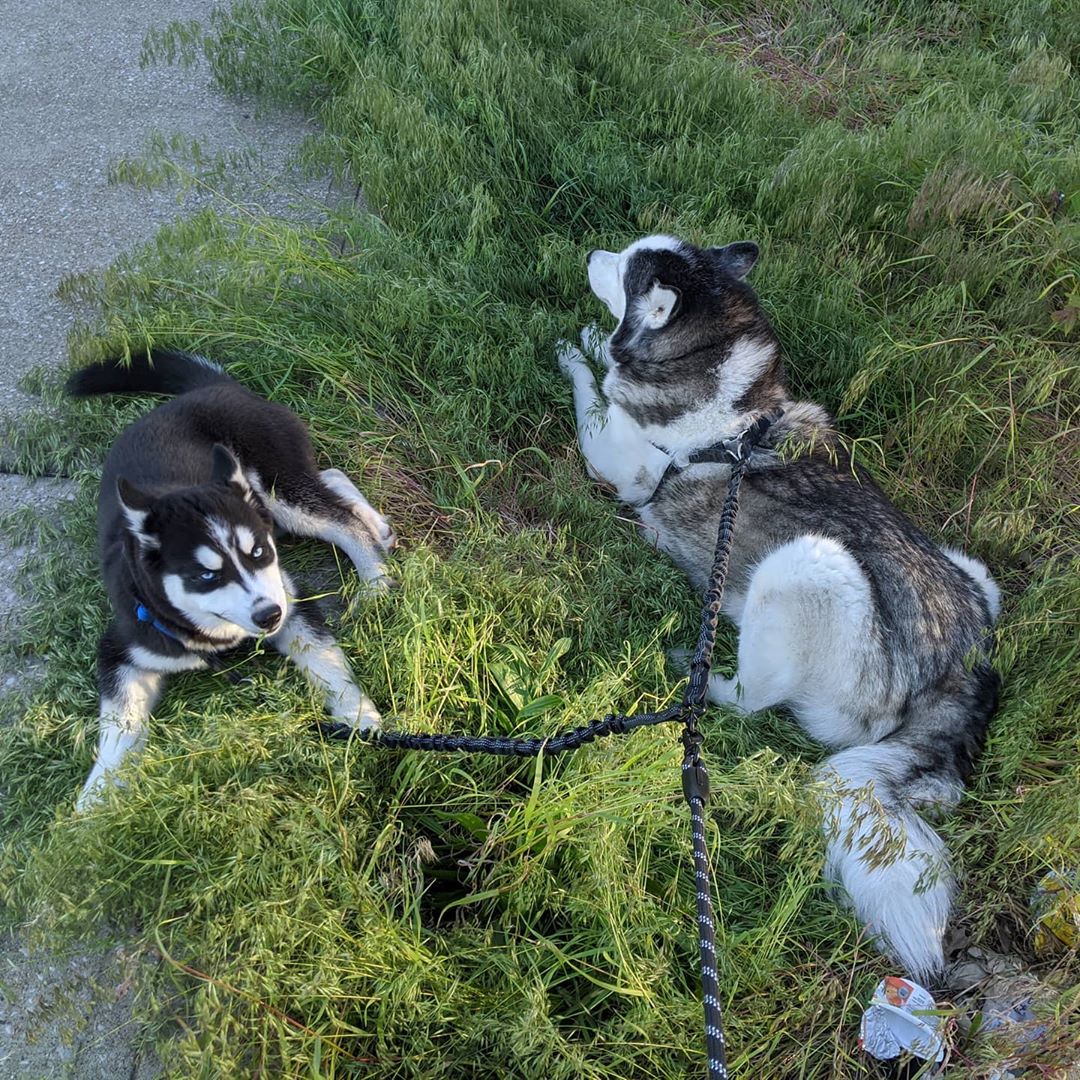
point(695, 776)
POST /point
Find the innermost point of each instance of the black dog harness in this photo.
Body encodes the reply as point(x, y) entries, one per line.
point(725, 452)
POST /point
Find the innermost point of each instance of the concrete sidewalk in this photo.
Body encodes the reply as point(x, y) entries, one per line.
point(72, 98)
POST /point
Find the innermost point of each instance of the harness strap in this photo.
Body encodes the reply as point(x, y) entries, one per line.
point(730, 451)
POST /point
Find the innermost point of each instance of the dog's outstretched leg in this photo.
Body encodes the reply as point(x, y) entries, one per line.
point(594, 344)
point(589, 407)
point(615, 450)
point(332, 509)
point(377, 525)
point(306, 641)
point(128, 694)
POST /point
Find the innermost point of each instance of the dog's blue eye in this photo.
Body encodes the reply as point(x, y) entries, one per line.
point(208, 575)
point(256, 553)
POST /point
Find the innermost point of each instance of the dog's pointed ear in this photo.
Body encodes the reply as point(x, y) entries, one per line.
point(737, 259)
point(659, 304)
point(225, 469)
point(135, 506)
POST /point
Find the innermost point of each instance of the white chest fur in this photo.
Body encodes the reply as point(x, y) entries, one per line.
point(717, 416)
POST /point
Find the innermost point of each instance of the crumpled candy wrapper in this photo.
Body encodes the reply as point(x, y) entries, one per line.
point(891, 1025)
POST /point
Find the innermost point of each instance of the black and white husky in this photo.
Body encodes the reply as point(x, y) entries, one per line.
point(873, 636)
point(189, 497)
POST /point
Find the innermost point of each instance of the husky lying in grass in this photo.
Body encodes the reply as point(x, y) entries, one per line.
point(873, 636)
point(189, 496)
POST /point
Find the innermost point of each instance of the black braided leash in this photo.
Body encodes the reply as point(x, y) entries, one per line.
point(695, 776)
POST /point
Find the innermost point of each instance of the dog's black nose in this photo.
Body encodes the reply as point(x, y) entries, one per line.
point(267, 618)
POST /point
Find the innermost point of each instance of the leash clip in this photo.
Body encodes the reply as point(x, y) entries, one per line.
point(743, 445)
point(738, 448)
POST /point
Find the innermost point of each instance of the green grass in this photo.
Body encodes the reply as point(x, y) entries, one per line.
point(327, 912)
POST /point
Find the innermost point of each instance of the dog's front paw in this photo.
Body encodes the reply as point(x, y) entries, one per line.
point(93, 791)
point(378, 583)
point(373, 521)
point(385, 534)
point(89, 797)
point(350, 705)
point(725, 691)
point(367, 718)
point(370, 719)
point(569, 358)
point(594, 344)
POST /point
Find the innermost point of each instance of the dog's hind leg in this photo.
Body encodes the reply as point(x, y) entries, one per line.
point(128, 694)
point(306, 641)
point(807, 640)
point(343, 487)
point(309, 505)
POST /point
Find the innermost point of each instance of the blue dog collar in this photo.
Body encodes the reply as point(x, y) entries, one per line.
point(144, 614)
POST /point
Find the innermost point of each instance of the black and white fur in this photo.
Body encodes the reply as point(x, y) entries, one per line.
point(873, 636)
point(190, 494)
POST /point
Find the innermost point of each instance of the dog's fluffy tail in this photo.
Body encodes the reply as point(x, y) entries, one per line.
point(891, 863)
point(158, 371)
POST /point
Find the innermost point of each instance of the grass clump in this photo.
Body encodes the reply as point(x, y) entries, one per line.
point(344, 913)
